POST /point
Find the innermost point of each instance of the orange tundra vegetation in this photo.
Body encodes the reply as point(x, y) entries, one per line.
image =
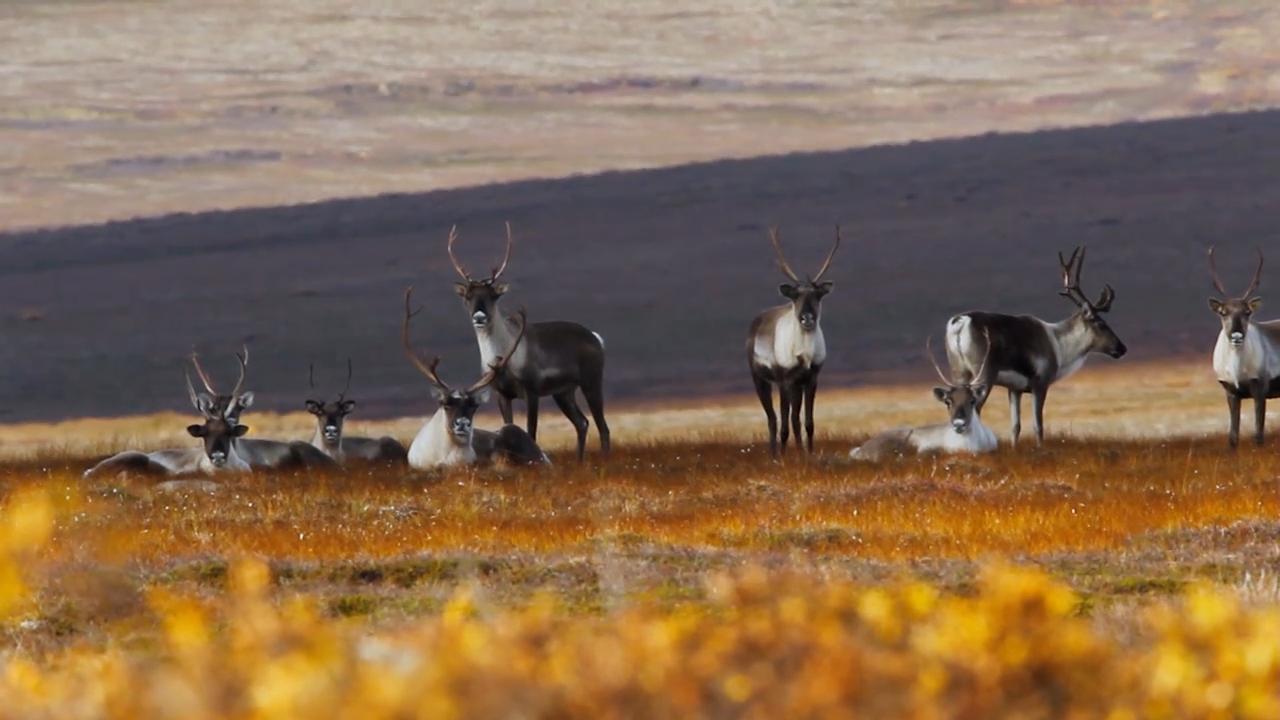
point(1088, 578)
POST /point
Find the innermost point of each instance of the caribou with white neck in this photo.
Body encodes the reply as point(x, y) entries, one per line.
point(1027, 354)
point(450, 436)
point(786, 348)
point(963, 433)
point(556, 359)
point(1246, 358)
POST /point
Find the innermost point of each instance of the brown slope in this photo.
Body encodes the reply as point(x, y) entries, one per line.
point(669, 265)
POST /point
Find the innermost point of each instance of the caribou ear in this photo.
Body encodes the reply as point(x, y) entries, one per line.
point(940, 393)
point(348, 406)
point(1254, 304)
point(824, 287)
point(313, 407)
point(788, 291)
point(461, 289)
point(980, 392)
point(439, 395)
point(239, 430)
point(482, 395)
point(500, 289)
point(245, 400)
point(1215, 305)
point(195, 430)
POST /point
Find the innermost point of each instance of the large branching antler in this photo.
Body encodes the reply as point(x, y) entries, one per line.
point(453, 237)
point(928, 351)
point(830, 256)
point(343, 395)
point(500, 363)
point(497, 270)
point(243, 358)
point(200, 373)
point(977, 375)
point(1071, 268)
point(426, 368)
point(782, 259)
point(506, 257)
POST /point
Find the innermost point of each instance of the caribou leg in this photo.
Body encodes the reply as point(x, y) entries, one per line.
point(531, 415)
point(765, 391)
point(595, 401)
point(797, 404)
point(1015, 415)
point(784, 409)
point(504, 407)
point(569, 406)
point(1233, 412)
point(1259, 410)
point(1038, 396)
point(810, 394)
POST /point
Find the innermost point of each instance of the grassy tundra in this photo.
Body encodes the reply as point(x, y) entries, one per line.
point(686, 576)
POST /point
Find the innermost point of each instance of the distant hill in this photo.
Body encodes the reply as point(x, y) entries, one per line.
point(669, 265)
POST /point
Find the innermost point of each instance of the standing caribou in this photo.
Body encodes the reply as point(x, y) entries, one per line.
point(1027, 354)
point(556, 358)
point(1246, 358)
point(450, 437)
point(964, 433)
point(785, 347)
point(329, 438)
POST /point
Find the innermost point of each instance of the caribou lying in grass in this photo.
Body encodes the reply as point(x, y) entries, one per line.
point(557, 358)
point(329, 437)
point(786, 347)
point(964, 433)
point(450, 437)
point(1028, 354)
point(1246, 358)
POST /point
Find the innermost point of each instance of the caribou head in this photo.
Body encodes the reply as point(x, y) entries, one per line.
point(1101, 337)
point(459, 405)
point(211, 403)
point(481, 296)
point(219, 437)
point(331, 415)
point(965, 397)
point(805, 295)
point(1235, 312)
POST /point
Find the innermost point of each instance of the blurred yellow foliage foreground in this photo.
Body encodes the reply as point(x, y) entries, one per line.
point(762, 645)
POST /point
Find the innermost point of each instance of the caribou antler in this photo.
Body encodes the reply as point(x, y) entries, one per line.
point(830, 256)
point(499, 363)
point(453, 237)
point(928, 350)
point(426, 368)
point(243, 358)
point(1071, 277)
point(1217, 281)
point(506, 257)
point(200, 373)
point(191, 393)
point(782, 260)
point(977, 376)
point(1257, 277)
point(343, 395)
point(1213, 273)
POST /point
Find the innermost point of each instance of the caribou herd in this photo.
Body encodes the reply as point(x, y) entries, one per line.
point(785, 347)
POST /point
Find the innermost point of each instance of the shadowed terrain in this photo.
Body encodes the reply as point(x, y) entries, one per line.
point(669, 265)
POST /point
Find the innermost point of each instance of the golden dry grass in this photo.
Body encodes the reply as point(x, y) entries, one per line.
point(686, 575)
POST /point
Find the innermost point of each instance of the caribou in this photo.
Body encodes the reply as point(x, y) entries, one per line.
point(557, 357)
point(259, 454)
point(450, 436)
point(1027, 354)
point(785, 347)
point(1246, 358)
point(963, 433)
point(329, 437)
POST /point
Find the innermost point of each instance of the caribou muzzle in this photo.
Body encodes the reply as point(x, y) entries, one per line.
point(331, 434)
point(462, 428)
point(1118, 351)
point(808, 321)
point(218, 459)
point(480, 319)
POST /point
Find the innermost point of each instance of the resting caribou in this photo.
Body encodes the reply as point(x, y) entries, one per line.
point(450, 437)
point(964, 433)
point(1027, 354)
point(786, 347)
point(259, 454)
point(1246, 358)
point(329, 437)
point(556, 358)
